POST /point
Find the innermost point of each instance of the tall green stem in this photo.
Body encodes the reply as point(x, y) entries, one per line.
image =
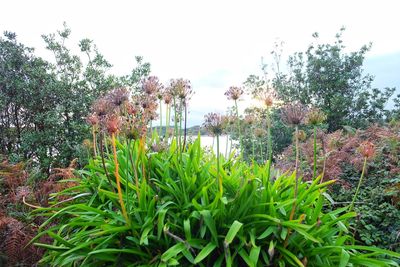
point(297, 159)
point(269, 145)
point(117, 180)
point(219, 179)
point(296, 176)
point(94, 141)
point(359, 184)
point(160, 128)
point(238, 126)
point(180, 131)
point(315, 153)
point(226, 145)
point(253, 141)
point(185, 128)
point(104, 163)
point(167, 119)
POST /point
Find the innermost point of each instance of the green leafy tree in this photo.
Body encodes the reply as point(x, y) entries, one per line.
point(43, 104)
point(328, 77)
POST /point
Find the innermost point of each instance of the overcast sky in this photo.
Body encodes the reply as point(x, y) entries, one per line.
point(215, 44)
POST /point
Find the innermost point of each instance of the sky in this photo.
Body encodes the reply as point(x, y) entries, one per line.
point(215, 44)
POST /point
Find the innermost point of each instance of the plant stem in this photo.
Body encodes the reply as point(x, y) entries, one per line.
point(315, 153)
point(94, 141)
point(253, 145)
point(219, 179)
point(296, 138)
point(160, 128)
point(128, 143)
point(269, 145)
point(238, 126)
point(295, 173)
point(117, 179)
point(175, 122)
point(167, 118)
point(134, 166)
point(104, 164)
point(359, 184)
point(226, 144)
point(185, 130)
point(180, 128)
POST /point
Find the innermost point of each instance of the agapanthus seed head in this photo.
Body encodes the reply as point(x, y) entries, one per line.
point(367, 149)
point(87, 143)
point(113, 123)
point(315, 117)
point(234, 93)
point(268, 97)
point(101, 107)
point(301, 135)
point(249, 119)
point(181, 88)
point(118, 96)
point(93, 119)
point(131, 109)
point(214, 123)
point(259, 132)
point(167, 97)
point(152, 85)
point(293, 113)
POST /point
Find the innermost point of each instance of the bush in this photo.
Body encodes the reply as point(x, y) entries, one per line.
point(176, 214)
point(378, 219)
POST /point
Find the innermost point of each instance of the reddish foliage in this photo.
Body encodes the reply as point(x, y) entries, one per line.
point(14, 234)
point(338, 149)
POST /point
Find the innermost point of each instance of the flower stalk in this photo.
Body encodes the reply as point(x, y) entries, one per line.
point(117, 179)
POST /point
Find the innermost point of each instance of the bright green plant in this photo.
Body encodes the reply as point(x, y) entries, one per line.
point(180, 217)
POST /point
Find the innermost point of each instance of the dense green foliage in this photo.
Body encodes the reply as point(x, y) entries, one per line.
point(178, 216)
point(43, 105)
point(329, 77)
point(254, 145)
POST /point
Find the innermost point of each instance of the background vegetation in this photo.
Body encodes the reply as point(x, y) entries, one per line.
point(148, 195)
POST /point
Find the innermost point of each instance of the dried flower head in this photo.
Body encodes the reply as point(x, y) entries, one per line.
point(293, 113)
point(231, 119)
point(249, 119)
point(268, 97)
point(131, 109)
point(181, 88)
point(301, 135)
point(149, 104)
point(167, 97)
point(214, 123)
point(367, 149)
point(234, 93)
point(87, 143)
point(152, 85)
point(315, 117)
point(118, 96)
point(101, 107)
point(113, 123)
point(260, 132)
point(93, 119)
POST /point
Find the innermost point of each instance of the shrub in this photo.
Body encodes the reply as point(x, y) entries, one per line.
point(377, 222)
point(178, 215)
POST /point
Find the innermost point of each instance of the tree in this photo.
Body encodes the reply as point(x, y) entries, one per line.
point(327, 77)
point(43, 104)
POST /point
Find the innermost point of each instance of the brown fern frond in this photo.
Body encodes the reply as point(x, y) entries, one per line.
point(64, 173)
